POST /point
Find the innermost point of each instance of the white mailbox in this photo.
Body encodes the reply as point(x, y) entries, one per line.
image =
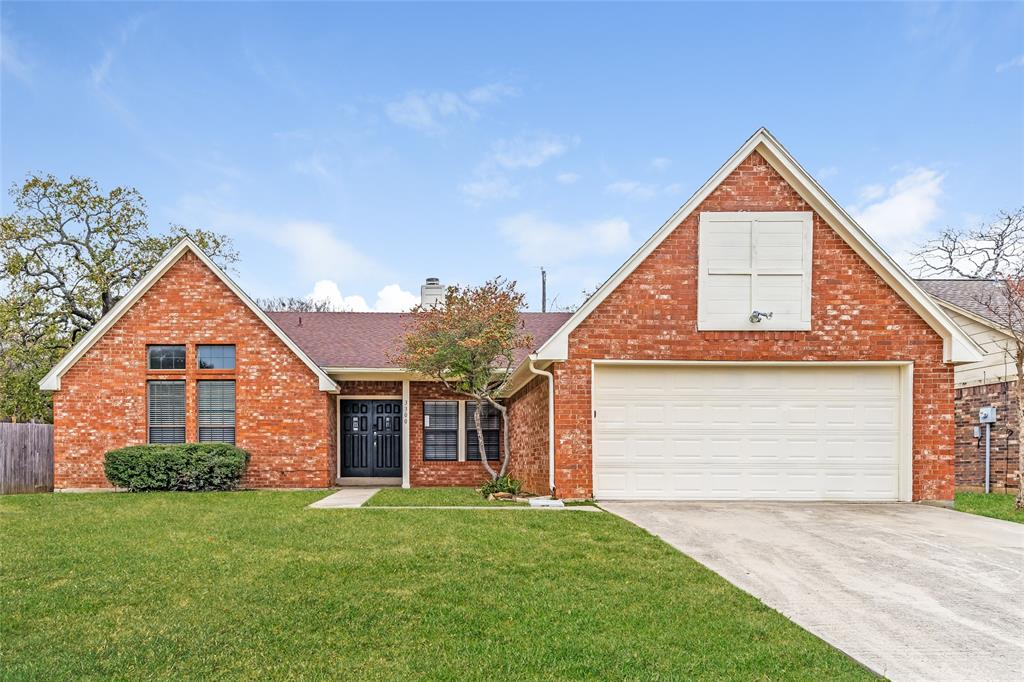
point(987, 415)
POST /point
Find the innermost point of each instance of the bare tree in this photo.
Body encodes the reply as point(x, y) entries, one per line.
point(295, 304)
point(991, 252)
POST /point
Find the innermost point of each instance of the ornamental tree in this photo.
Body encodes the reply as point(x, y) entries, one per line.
point(468, 342)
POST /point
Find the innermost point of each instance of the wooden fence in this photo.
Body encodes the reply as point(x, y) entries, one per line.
point(26, 458)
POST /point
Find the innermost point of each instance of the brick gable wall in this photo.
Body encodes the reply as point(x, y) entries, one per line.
point(282, 416)
point(652, 315)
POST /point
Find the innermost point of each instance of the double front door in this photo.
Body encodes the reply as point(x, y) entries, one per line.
point(371, 438)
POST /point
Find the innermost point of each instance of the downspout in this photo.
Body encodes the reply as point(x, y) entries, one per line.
point(551, 421)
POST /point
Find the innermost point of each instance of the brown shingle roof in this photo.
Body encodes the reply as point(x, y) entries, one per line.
point(366, 339)
point(976, 296)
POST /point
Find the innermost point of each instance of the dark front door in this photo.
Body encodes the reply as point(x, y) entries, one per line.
point(371, 438)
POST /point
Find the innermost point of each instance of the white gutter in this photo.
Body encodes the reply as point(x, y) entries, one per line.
point(551, 420)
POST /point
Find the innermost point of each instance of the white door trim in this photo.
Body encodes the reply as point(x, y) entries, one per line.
point(405, 434)
point(905, 484)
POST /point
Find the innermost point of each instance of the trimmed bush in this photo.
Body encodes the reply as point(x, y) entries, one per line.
point(189, 466)
point(502, 484)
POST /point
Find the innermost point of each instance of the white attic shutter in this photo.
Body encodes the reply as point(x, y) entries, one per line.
point(754, 261)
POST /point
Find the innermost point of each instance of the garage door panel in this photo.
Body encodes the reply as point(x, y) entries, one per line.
point(778, 433)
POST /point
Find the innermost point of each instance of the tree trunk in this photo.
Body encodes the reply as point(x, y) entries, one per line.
point(504, 435)
point(480, 438)
point(1019, 393)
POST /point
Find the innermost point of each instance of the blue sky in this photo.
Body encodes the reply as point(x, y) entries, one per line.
point(356, 149)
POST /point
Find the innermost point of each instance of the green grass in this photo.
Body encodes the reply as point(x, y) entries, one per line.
point(252, 585)
point(432, 497)
point(996, 505)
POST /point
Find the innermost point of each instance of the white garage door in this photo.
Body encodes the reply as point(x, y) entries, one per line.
point(700, 432)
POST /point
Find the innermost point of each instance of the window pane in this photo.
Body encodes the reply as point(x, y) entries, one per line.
point(490, 420)
point(166, 411)
point(166, 357)
point(216, 357)
point(441, 429)
point(217, 411)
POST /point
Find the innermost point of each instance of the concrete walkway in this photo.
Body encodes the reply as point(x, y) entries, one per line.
point(346, 498)
point(912, 592)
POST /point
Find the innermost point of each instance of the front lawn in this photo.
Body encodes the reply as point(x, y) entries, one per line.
point(996, 505)
point(433, 497)
point(252, 585)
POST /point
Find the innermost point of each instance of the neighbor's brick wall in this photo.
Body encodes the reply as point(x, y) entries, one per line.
point(970, 451)
point(282, 416)
point(528, 435)
point(855, 316)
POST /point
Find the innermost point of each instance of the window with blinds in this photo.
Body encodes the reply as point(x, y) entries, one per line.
point(217, 411)
point(441, 429)
point(490, 420)
point(166, 401)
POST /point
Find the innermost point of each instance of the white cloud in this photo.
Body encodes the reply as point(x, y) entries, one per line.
point(567, 178)
point(527, 151)
point(899, 215)
point(491, 93)
point(11, 59)
point(391, 299)
point(490, 188)
point(535, 238)
point(314, 166)
point(675, 188)
point(632, 189)
point(1016, 62)
point(828, 172)
point(430, 111)
point(872, 192)
point(319, 253)
point(661, 163)
point(99, 72)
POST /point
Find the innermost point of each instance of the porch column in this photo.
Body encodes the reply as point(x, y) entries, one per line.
point(405, 433)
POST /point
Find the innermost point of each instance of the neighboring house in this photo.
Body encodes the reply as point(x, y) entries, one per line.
point(758, 346)
point(989, 382)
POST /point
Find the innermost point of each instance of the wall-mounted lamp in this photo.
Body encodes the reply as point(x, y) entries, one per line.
point(757, 316)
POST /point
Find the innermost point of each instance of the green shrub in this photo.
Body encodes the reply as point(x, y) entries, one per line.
point(189, 466)
point(502, 484)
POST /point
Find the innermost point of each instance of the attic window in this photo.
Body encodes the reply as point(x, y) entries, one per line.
point(754, 271)
point(166, 357)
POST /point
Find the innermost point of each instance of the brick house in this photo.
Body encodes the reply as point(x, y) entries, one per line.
point(758, 346)
point(987, 383)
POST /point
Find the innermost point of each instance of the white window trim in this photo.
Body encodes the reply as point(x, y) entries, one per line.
point(710, 218)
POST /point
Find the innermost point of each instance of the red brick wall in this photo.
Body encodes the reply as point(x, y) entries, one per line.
point(855, 316)
point(282, 416)
point(1005, 442)
point(528, 435)
point(431, 472)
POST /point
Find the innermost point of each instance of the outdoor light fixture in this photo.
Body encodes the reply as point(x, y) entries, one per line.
point(757, 316)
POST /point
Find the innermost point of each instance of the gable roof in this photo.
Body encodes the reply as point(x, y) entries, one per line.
point(958, 347)
point(51, 382)
point(970, 296)
point(364, 340)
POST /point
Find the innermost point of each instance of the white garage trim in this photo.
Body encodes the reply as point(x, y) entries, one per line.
point(906, 380)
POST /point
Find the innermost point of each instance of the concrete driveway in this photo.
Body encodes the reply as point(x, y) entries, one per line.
point(911, 591)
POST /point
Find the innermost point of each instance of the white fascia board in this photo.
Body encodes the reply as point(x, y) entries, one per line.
point(952, 307)
point(51, 382)
point(958, 347)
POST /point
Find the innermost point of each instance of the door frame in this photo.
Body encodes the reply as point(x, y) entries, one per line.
point(905, 476)
point(405, 426)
